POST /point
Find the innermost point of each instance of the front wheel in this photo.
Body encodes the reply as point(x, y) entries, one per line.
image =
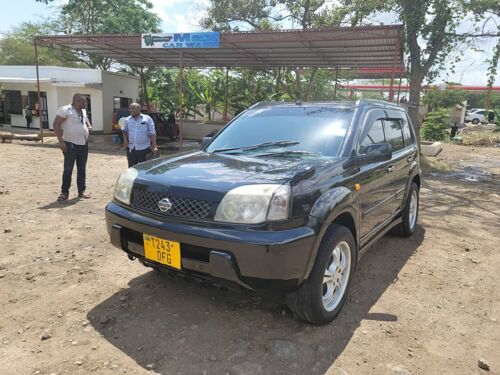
point(475, 121)
point(321, 297)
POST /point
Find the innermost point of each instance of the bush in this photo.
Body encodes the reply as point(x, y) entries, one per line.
point(435, 125)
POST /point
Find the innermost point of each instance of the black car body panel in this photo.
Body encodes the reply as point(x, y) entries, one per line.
point(278, 256)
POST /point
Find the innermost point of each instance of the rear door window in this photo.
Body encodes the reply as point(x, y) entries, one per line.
point(394, 134)
point(407, 136)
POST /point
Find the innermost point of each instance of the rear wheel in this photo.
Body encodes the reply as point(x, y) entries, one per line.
point(322, 295)
point(475, 121)
point(409, 214)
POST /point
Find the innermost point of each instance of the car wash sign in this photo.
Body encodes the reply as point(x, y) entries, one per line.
point(181, 40)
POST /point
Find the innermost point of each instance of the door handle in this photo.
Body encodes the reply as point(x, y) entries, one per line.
point(390, 168)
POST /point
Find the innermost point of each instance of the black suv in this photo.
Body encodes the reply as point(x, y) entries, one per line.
point(286, 198)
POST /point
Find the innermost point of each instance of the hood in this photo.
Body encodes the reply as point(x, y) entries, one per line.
point(220, 172)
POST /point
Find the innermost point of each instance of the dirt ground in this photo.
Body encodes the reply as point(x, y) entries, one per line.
point(73, 304)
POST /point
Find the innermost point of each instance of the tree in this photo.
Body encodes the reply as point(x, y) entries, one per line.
point(109, 17)
point(17, 48)
point(262, 15)
point(433, 22)
point(106, 17)
point(436, 98)
point(489, 10)
point(432, 35)
point(435, 125)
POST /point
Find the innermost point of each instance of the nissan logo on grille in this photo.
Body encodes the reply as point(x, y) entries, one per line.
point(164, 205)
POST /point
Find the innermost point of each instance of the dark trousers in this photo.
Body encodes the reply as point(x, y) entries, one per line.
point(136, 156)
point(28, 121)
point(79, 154)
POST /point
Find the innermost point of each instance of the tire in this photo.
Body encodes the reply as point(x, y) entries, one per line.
point(409, 214)
point(475, 121)
point(312, 302)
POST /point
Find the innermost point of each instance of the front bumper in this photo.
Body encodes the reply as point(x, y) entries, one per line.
point(262, 260)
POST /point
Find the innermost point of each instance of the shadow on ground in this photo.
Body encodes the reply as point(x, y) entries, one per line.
point(183, 326)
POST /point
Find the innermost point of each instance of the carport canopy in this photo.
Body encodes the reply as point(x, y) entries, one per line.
point(343, 47)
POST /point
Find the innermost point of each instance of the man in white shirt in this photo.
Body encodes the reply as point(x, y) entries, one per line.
point(72, 126)
point(139, 135)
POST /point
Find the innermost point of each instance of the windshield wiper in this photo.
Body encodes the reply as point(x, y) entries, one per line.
point(259, 146)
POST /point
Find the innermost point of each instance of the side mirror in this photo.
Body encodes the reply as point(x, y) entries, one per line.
point(205, 141)
point(375, 153)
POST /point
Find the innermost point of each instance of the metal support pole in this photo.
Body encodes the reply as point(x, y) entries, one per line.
point(181, 94)
point(38, 93)
point(226, 93)
point(336, 83)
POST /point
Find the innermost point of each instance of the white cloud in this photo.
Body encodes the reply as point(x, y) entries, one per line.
point(180, 16)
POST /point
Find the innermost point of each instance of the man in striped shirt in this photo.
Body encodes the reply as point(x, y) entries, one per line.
point(139, 135)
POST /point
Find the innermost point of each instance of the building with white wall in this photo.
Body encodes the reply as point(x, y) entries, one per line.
point(105, 91)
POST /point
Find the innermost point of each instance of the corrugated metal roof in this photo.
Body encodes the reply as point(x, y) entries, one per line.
point(344, 47)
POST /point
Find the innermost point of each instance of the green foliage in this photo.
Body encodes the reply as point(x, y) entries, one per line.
point(204, 90)
point(106, 17)
point(435, 125)
point(16, 47)
point(436, 98)
point(487, 10)
point(239, 15)
point(476, 100)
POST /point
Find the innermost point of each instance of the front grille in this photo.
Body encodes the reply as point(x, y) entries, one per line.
point(181, 207)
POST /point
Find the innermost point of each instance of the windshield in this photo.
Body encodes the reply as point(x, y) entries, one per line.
point(290, 130)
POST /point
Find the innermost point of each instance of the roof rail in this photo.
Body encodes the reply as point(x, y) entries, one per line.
point(381, 103)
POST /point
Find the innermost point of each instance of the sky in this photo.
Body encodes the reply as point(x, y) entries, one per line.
point(184, 16)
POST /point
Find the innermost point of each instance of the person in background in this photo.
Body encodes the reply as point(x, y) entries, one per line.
point(27, 115)
point(139, 135)
point(491, 117)
point(72, 128)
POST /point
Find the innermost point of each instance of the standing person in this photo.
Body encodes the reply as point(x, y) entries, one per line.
point(27, 115)
point(139, 135)
point(72, 127)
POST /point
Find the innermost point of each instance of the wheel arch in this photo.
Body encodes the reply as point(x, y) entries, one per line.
point(347, 217)
point(416, 179)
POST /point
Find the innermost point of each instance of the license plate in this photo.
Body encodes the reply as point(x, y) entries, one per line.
point(162, 251)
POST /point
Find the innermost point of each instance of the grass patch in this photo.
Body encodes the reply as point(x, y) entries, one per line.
point(481, 138)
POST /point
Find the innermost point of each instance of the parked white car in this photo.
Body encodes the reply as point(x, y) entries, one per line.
point(477, 115)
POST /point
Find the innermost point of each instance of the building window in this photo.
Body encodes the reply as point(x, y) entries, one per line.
point(120, 102)
point(13, 102)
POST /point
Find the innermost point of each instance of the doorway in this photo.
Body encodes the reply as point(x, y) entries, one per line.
point(89, 107)
point(42, 110)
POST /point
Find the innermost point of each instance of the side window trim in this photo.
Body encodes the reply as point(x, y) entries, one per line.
point(372, 123)
point(372, 114)
point(367, 124)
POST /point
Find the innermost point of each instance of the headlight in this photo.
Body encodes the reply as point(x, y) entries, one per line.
point(253, 204)
point(123, 186)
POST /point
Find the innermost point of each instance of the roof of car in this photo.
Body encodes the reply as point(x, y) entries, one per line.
point(332, 104)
